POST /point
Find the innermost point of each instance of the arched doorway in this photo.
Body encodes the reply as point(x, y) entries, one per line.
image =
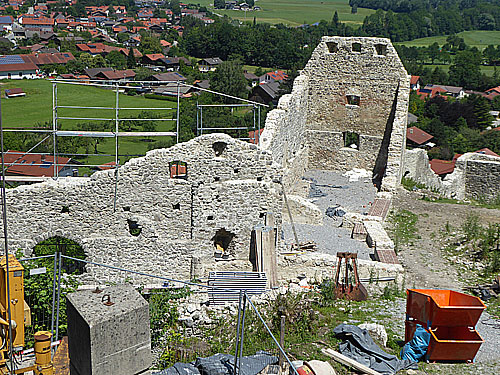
point(65, 246)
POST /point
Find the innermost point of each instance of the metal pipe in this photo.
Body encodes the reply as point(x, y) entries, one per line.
point(117, 124)
point(272, 336)
point(6, 244)
point(13, 163)
point(237, 335)
point(54, 122)
point(178, 113)
point(227, 105)
point(86, 118)
point(120, 108)
point(258, 122)
point(34, 258)
point(240, 128)
point(58, 296)
point(242, 330)
point(53, 299)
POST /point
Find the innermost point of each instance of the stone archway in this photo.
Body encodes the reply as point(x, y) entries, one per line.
point(66, 246)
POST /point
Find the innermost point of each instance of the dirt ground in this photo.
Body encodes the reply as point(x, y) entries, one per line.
point(427, 267)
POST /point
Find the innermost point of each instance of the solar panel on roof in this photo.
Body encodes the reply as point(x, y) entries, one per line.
point(11, 59)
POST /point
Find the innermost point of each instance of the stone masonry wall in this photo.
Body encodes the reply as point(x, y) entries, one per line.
point(338, 75)
point(284, 133)
point(178, 217)
point(475, 176)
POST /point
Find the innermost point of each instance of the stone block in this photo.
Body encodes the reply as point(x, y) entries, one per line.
point(106, 339)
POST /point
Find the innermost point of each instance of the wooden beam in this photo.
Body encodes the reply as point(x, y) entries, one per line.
point(348, 361)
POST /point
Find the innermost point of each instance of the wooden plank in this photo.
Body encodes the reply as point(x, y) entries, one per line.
point(348, 361)
point(269, 262)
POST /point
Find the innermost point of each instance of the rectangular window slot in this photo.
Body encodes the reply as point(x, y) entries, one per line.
point(356, 47)
point(381, 49)
point(332, 47)
point(353, 100)
point(351, 140)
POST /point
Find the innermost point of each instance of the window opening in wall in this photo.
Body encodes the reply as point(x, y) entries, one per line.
point(219, 148)
point(259, 178)
point(178, 169)
point(381, 49)
point(210, 217)
point(356, 47)
point(126, 208)
point(216, 179)
point(66, 247)
point(65, 210)
point(236, 170)
point(332, 47)
point(134, 228)
point(353, 99)
point(351, 140)
point(222, 241)
point(176, 206)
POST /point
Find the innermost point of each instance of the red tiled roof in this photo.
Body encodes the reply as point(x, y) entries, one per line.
point(414, 80)
point(441, 167)
point(486, 151)
point(254, 136)
point(278, 75)
point(48, 58)
point(118, 74)
point(110, 165)
point(28, 169)
point(155, 56)
point(17, 67)
point(417, 135)
point(164, 43)
point(38, 21)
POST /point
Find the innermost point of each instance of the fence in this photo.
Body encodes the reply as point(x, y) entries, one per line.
point(250, 330)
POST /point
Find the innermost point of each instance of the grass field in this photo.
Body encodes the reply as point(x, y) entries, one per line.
point(479, 38)
point(295, 12)
point(488, 70)
point(36, 108)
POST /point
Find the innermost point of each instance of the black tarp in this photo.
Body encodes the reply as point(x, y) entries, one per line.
point(357, 344)
point(222, 364)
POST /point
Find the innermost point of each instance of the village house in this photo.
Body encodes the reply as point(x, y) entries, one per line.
point(209, 64)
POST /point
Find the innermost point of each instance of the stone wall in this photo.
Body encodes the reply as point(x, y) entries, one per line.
point(229, 186)
point(476, 176)
point(284, 133)
point(365, 93)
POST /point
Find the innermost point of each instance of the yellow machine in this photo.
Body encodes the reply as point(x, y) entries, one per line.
point(20, 317)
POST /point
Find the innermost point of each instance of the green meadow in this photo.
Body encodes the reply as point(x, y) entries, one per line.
point(478, 38)
point(295, 12)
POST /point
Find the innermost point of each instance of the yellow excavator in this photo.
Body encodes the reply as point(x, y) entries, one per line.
point(20, 317)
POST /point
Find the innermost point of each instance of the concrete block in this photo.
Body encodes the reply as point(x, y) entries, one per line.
point(108, 339)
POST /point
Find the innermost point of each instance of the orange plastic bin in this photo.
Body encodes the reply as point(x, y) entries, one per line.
point(443, 308)
point(453, 344)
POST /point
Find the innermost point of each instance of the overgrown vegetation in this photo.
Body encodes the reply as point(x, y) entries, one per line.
point(410, 184)
point(403, 228)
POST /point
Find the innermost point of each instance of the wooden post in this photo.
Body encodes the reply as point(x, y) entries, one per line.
point(282, 340)
point(269, 262)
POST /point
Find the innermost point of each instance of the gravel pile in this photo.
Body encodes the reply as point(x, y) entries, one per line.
point(329, 190)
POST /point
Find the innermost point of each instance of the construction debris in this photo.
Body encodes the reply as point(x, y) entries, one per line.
point(486, 291)
point(305, 246)
point(336, 211)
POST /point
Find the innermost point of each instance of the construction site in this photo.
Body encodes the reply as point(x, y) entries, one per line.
point(222, 256)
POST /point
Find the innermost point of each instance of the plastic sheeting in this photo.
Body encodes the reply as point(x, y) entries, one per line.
point(415, 349)
point(222, 364)
point(358, 345)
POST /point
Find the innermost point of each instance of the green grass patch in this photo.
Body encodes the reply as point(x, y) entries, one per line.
point(403, 228)
point(476, 38)
point(295, 12)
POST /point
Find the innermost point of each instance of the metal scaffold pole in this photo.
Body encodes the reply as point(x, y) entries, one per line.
point(117, 126)
point(6, 243)
point(178, 110)
point(54, 124)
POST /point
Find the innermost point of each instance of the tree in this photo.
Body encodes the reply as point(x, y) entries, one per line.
point(116, 60)
point(131, 59)
point(123, 37)
point(335, 20)
point(465, 70)
point(354, 9)
point(433, 51)
point(150, 44)
point(229, 79)
point(5, 46)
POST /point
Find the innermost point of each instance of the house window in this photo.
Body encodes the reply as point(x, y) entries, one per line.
point(332, 47)
point(351, 140)
point(178, 169)
point(20, 74)
point(381, 49)
point(356, 47)
point(353, 100)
